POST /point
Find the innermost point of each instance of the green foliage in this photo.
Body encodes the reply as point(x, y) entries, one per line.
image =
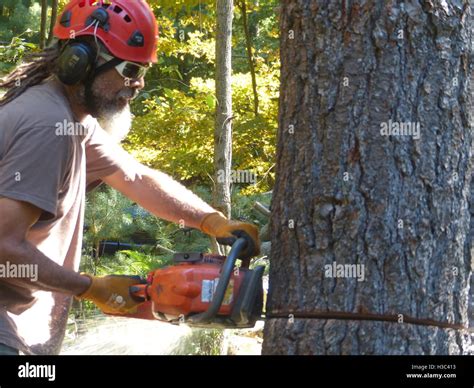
point(18, 16)
point(111, 216)
point(127, 262)
point(242, 207)
point(174, 125)
point(205, 342)
point(175, 131)
point(12, 53)
point(107, 217)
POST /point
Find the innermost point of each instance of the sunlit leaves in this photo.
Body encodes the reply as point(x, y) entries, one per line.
point(174, 127)
point(176, 134)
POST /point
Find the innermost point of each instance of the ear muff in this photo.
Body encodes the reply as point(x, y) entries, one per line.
point(75, 63)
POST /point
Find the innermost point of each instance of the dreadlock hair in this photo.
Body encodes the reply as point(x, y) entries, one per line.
point(36, 68)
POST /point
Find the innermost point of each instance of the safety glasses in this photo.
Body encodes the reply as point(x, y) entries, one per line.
point(127, 69)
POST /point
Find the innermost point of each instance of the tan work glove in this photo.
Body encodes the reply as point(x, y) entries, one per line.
point(226, 232)
point(112, 293)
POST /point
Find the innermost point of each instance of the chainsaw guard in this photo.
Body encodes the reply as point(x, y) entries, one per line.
point(247, 308)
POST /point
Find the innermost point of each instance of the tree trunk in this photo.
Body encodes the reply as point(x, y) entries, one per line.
point(223, 128)
point(44, 17)
point(471, 239)
point(54, 16)
point(351, 191)
point(248, 43)
point(471, 209)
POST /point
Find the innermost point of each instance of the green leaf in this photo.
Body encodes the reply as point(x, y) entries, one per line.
point(211, 101)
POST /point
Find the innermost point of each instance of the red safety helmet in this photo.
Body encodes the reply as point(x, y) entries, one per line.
point(126, 27)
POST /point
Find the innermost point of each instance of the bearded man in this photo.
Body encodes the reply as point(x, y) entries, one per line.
point(84, 81)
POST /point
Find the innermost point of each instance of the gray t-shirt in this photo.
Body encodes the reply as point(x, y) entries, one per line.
point(48, 159)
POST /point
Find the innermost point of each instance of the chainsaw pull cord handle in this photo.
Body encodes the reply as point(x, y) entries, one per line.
point(227, 269)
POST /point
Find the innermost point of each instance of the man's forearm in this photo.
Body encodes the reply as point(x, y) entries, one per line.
point(162, 196)
point(49, 276)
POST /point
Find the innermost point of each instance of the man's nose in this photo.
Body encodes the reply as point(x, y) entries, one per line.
point(137, 83)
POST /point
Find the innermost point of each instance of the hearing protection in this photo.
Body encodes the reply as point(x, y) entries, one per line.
point(78, 59)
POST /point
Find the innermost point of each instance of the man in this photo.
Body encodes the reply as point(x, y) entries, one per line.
point(52, 149)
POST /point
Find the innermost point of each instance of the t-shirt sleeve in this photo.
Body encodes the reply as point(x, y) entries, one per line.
point(33, 166)
point(105, 157)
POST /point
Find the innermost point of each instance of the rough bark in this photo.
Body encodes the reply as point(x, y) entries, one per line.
point(223, 125)
point(471, 208)
point(471, 290)
point(396, 204)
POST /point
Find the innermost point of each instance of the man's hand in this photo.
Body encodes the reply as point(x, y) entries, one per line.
point(226, 231)
point(112, 293)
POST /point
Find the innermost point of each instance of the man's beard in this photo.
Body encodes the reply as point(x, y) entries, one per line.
point(113, 114)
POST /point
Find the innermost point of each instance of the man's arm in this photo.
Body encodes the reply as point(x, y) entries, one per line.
point(161, 195)
point(165, 198)
point(16, 220)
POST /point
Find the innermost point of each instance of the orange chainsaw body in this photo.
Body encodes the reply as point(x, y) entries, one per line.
point(188, 288)
point(177, 293)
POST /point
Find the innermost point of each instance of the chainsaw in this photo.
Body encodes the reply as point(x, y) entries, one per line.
point(203, 290)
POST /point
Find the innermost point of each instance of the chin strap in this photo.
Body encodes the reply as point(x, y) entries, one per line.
point(106, 66)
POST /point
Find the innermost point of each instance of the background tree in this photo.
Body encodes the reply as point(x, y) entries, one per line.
point(347, 192)
point(52, 21)
point(248, 42)
point(44, 20)
point(223, 124)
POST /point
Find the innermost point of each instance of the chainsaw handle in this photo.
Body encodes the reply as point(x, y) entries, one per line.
point(228, 267)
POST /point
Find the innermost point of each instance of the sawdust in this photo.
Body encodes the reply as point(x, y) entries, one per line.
point(105, 335)
point(123, 336)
